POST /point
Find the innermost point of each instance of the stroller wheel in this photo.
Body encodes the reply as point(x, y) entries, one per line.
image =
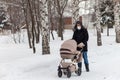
point(59, 73)
point(79, 72)
point(68, 73)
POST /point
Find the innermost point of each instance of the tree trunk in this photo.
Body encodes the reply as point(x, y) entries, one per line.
point(27, 25)
point(60, 7)
point(38, 22)
point(45, 43)
point(101, 29)
point(118, 36)
point(52, 35)
point(107, 31)
point(99, 41)
point(36, 12)
point(33, 26)
point(45, 28)
point(117, 21)
point(60, 28)
point(49, 17)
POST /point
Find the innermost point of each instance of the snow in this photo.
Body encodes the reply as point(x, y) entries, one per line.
point(17, 62)
point(1, 25)
point(5, 20)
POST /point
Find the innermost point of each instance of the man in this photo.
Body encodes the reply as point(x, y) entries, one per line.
point(81, 37)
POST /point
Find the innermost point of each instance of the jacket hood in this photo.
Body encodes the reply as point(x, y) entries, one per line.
point(78, 22)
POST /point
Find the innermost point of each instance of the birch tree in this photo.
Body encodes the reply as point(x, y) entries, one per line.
point(117, 20)
point(36, 13)
point(98, 27)
point(45, 27)
point(35, 18)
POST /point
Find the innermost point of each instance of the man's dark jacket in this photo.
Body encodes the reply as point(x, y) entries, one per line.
point(81, 36)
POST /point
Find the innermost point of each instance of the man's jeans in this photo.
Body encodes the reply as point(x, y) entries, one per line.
point(85, 57)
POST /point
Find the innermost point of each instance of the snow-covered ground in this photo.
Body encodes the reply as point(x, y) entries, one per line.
point(17, 62)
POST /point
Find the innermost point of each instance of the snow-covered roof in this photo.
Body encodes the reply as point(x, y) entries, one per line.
point(67, 14)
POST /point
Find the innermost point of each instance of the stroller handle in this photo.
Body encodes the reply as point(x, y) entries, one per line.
point(81, 49)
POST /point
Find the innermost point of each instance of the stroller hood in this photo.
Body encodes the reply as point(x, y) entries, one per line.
point(69, 45)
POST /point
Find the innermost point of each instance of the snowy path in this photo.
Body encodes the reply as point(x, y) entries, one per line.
point(19, 63)
point(33, 68)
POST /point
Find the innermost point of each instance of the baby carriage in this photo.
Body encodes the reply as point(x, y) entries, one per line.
point(68, 52)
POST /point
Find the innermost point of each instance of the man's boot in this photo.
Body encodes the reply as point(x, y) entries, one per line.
point(79, 68)
point(87, 67)
point(80, 65)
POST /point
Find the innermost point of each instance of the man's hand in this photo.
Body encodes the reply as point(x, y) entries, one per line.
point(81, 45)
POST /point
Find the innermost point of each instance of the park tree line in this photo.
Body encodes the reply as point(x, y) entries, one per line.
point(39, 17)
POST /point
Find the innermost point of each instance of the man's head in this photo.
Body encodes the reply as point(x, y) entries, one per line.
point(79, 25)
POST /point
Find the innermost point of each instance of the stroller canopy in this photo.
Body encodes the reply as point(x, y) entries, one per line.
point(69, 45)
